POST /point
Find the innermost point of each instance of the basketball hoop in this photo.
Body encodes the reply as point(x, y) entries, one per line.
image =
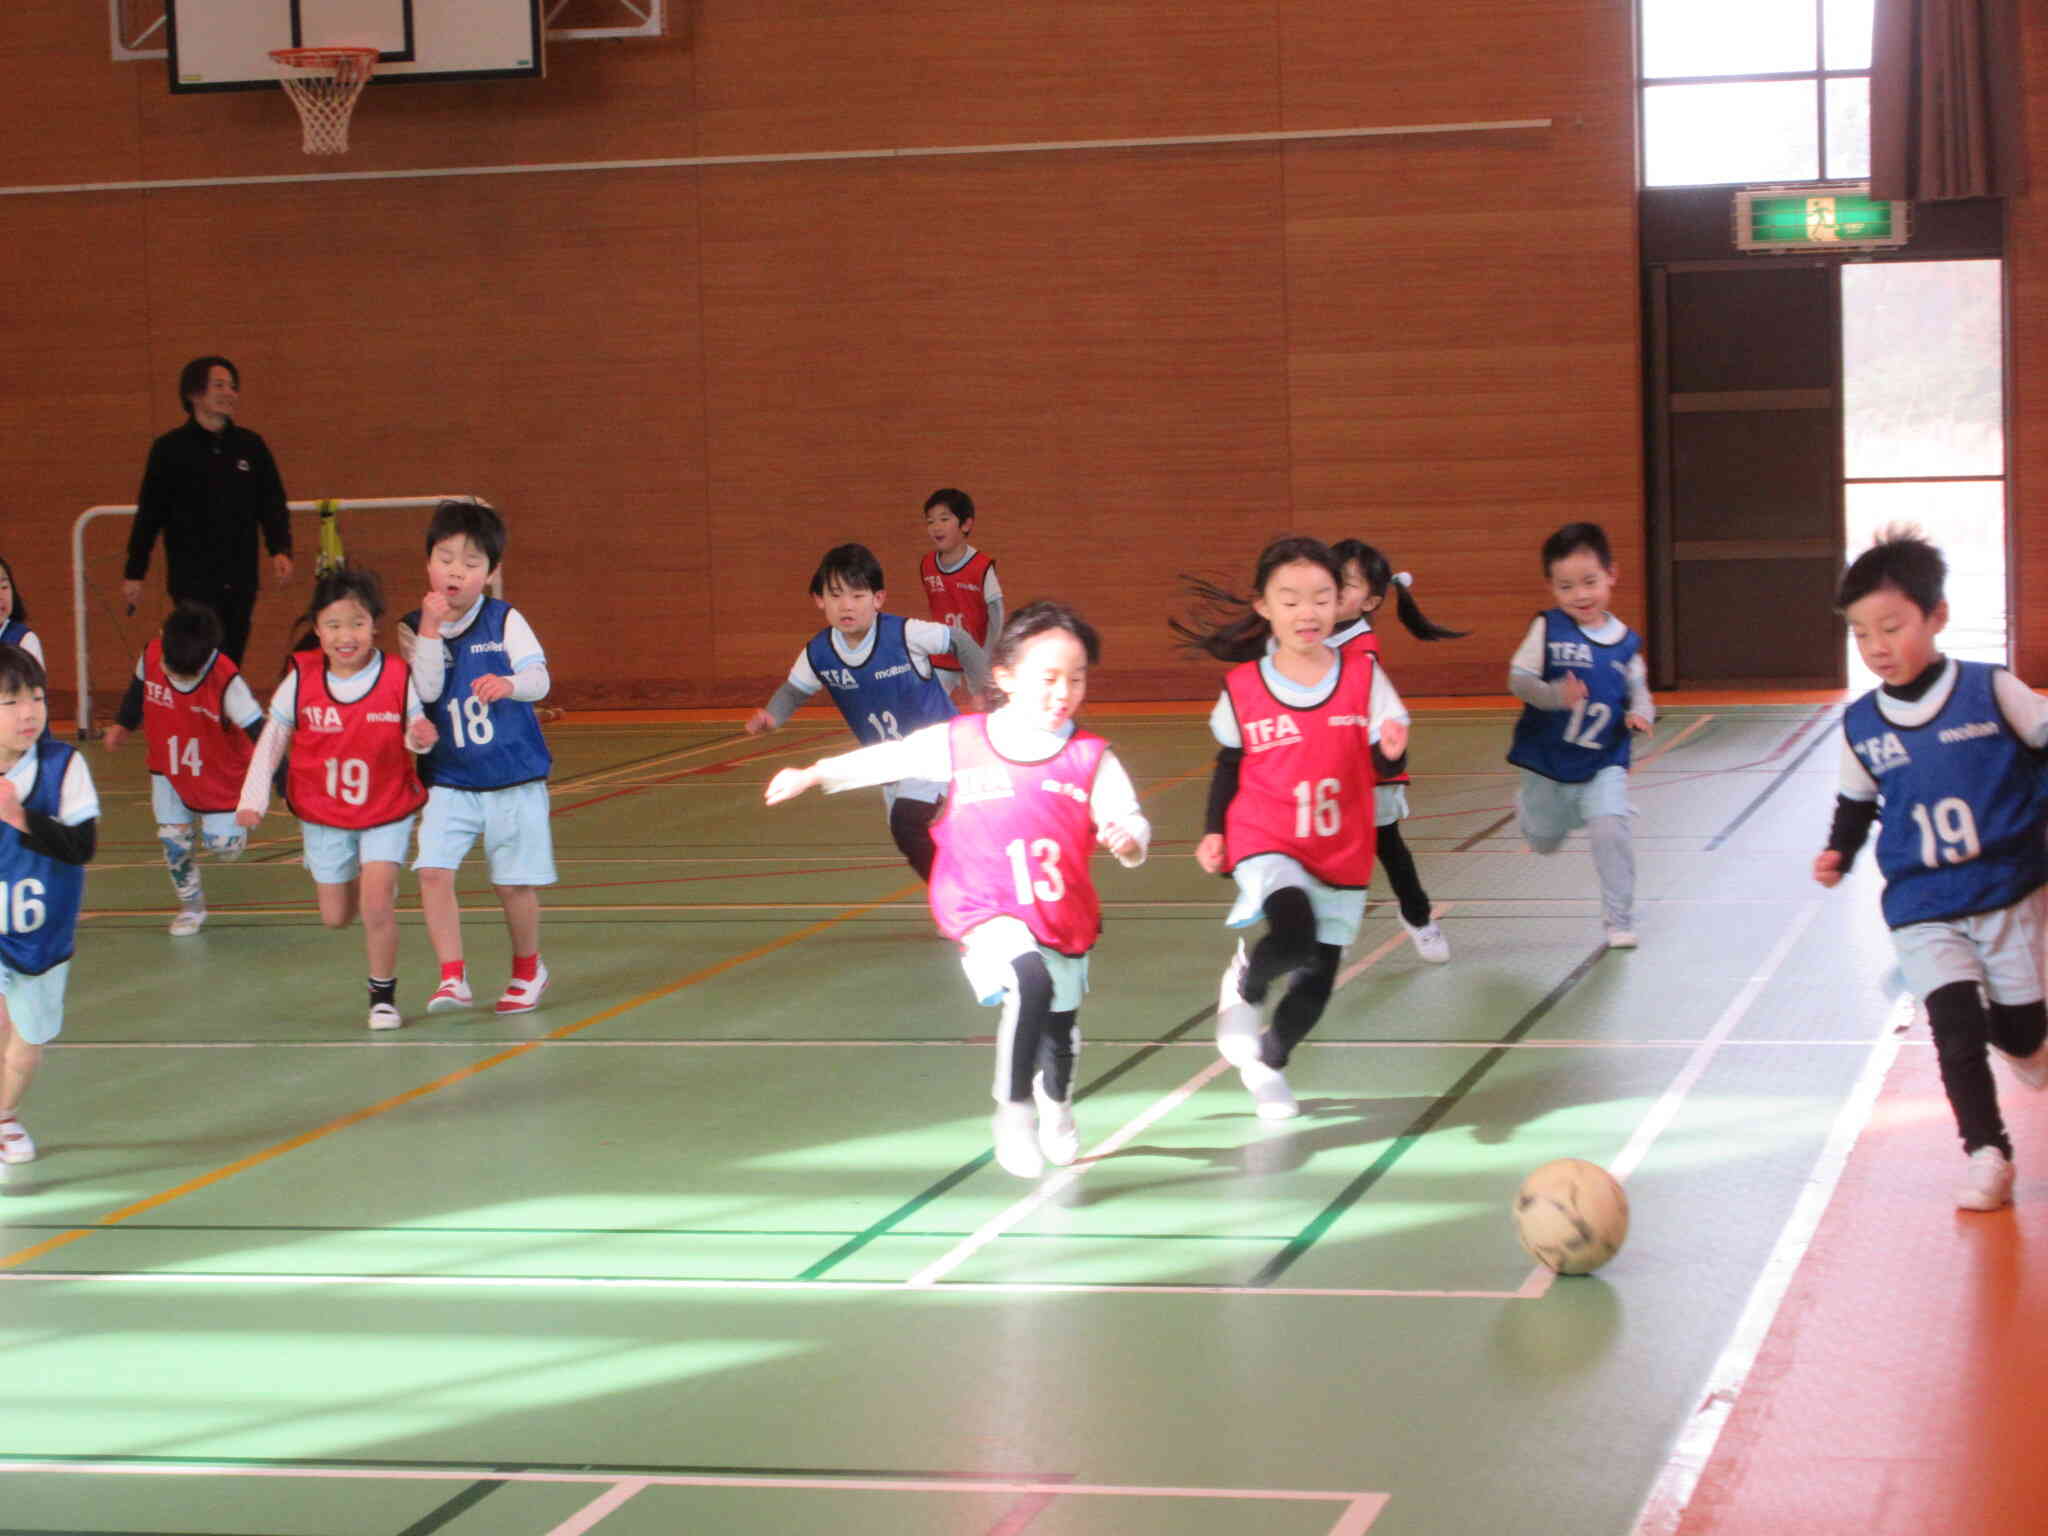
point(324, 89)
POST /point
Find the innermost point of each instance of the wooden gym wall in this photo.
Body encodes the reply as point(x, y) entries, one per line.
point(683, 384)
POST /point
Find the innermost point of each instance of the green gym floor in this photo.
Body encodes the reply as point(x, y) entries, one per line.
point(715, 1242)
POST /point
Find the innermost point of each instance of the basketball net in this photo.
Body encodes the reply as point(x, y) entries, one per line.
point(324, 86)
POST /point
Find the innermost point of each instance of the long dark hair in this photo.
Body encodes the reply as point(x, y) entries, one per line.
point(1027, 624)
point(1223, 623)
point(19, 613)
point(1379, 575)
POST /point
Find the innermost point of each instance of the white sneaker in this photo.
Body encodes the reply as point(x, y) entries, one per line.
point(523, 996)
point(1269, 1091)
point(15, 1146)
point(188, 922)
point(1429, 942)
point(1016, 1128)
point(452, 993)
point(1621, 938)
point(385, 1016)
point(2032, 1071)
point(1058, 1137)
point(1987, 1186)
point(1238, 1023)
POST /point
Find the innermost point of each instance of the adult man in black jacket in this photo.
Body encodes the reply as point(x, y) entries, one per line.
point(210, 485)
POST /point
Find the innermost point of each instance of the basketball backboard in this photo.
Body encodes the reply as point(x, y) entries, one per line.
point(224, 45)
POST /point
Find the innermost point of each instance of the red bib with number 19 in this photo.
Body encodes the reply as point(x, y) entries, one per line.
point(1304, 787)
point(349, 765)
point(1015, 839)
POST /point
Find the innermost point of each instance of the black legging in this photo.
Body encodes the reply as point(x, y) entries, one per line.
point(910, 823)
point(1290, 947)
point(1391, 850)
point(1028, 1014)
point(1963, 1025)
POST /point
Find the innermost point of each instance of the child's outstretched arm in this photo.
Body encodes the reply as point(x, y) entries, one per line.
point(270, 750)
point(1855, 810)
point(1389, 715)
point(973, 661)
point(802, 682)
point(923, 754)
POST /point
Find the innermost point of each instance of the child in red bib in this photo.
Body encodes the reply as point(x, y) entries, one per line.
point(1028, 798)
point(1290, 804)
point(1369, 577)
point(342, 710)
point(199, 720)
point(959, 581)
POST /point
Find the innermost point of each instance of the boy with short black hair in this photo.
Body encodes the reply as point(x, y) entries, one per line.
point(879, 668)
point(479, 670)
point(49, 828)
point(1584, 689)
point(960, 584)
point(200, 722)
point(1946, 755)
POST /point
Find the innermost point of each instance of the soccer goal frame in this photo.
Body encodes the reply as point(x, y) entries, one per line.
point(80, 642)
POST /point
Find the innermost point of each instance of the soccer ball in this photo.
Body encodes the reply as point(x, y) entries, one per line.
point(1571, 1215)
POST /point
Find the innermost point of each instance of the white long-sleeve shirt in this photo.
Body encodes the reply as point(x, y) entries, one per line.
point(1525, 669)
point(523, 653)
point(928, 754)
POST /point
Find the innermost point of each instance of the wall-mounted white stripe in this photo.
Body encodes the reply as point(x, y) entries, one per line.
point(805, 157)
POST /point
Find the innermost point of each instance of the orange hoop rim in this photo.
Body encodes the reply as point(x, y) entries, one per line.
point(341, 59)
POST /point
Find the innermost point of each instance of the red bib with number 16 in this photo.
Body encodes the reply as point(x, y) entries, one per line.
point(1015, 839)
point(349, 766)
point(1304, 787)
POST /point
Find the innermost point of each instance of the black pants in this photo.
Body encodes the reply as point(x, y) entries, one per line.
point(1964, 1023)
point(233, 606)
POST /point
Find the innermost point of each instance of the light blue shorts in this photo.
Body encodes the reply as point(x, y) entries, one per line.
point(336, 855)
point(1999, 951)
point(36, 1003)
point(518, 838)
point(988, 950)
point(217, 829)
point(1548, 810)
point(1389, 804)
point(1338, 911)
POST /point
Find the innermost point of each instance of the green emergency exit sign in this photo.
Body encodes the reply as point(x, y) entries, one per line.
point(1820, 218)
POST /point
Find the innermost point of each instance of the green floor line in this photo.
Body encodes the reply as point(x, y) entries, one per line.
point(1349, 1196)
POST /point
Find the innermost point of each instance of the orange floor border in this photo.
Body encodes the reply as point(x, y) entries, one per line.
point(1902, 1384)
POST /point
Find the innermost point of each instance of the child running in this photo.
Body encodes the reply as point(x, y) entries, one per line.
point(960, 584)
point(1368, 577)
point(14, 628)
point(1028, 798)
point(479, 670)
point(342, 712)
point(880, 670)
point(49, 826)
point(1580, 675)
point(199, 720)
point(1290, 804)
point(1947, 756)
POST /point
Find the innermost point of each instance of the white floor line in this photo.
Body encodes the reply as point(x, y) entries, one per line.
point(497, 1042)
point(1666, 1109)
point(657, 1283)
point(1360, 1507)
point(1056, 1183)
point(1673, 1490)
point(599, 1507)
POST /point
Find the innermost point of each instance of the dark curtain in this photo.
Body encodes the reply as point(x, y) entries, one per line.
point(1945, 100)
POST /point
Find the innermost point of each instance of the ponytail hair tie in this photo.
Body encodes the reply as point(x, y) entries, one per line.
point(1404, 578)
